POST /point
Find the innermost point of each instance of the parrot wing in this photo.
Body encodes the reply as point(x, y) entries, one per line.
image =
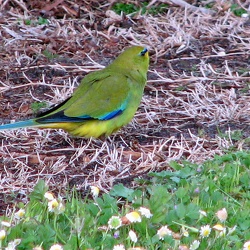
point(101, 95)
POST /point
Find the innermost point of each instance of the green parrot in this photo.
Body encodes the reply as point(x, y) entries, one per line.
point(104, 101)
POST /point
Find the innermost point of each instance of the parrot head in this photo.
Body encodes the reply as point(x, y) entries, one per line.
point(133, 58)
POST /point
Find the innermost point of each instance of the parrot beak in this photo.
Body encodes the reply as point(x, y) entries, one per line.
point(145, 50)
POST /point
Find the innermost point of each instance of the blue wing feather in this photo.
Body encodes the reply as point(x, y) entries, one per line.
point(111, 115)
point(61, 117)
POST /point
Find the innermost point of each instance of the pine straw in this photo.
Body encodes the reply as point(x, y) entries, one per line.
point(198, 90)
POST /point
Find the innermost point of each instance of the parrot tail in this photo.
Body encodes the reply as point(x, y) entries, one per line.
point(21, 124)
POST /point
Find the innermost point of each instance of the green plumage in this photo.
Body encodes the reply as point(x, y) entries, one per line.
point(104, 101)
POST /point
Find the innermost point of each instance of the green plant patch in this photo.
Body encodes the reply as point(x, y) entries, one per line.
point(129, 8)
point(36, 106)
point(200, 206)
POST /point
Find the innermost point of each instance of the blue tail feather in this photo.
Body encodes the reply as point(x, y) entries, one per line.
point(21, 124)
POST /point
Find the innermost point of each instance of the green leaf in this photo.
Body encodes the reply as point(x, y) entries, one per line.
point(121, 191)
point(181, 211)
point(39, 190)
point(181, 192)
point(193, 211)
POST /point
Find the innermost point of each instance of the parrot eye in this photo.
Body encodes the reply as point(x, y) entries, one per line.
point(145, 50)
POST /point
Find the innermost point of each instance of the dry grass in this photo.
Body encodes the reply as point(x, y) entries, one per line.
point(198, 85)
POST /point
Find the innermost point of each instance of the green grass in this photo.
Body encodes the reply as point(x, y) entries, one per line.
point(175, 198)
point(237, 10)
point(36, 106)
point(129, 8)
point(39, 21)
